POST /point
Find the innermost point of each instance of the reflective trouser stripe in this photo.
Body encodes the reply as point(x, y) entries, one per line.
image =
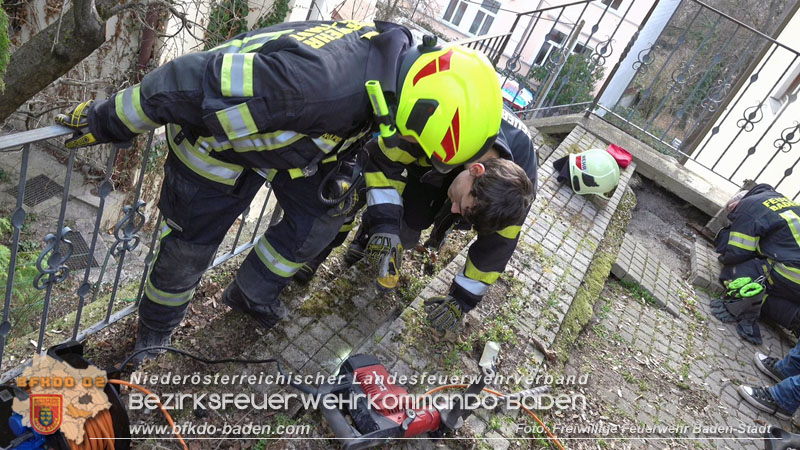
point(249, 44)
point(166, 298)
point(347, 227)
point(274, 261)
point(383, 196)
point(793, 221)
point(237, 75)
point(157, 295)
point(379, 180)
point(128, 107)
point(510, 232)
point(790, 273)
point(201, 163)
point(743, 241)
point(237, 121)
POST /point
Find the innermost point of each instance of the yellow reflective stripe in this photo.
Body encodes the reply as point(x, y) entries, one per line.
point(255, 42)
point(167, 298)
point(379, 180)
point(743, 241)
point(476, 274)
point(793, 221)
point(266, 141)
point(296, 173)
point(329, 159)
point(510, 232)
point(347, 227)
point(237, 121)
point(396, 154)
point(274, 261)
point(369, 35)
point(236, 75)
point(128, 106)
point(790, 273)
point(199, 162)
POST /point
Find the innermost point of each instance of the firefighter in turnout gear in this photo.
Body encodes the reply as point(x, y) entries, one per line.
point(760, 247)
point(446, 201)
point(283, 104)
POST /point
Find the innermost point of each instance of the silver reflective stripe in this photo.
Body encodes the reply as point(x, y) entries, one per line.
point(326, 145)
point(166, 298)
point(382, 196)
point(274, 261)
point(473, 286)
point(132, 114)
point(268, 141)
point(237, 75)
point(787, 272)
point(194, 159)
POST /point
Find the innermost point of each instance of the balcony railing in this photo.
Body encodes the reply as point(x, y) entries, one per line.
point(49, 288)
point(687, 79)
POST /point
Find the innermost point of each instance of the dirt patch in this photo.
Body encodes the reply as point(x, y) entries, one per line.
point(660, 221)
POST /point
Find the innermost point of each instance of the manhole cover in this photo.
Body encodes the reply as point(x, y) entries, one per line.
point(80, 252)
point(38, 189)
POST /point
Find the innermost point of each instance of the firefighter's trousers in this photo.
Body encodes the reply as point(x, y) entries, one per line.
point(197, 217)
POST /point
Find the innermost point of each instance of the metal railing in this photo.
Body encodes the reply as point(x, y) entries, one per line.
point(37, 280)
point(691, 81)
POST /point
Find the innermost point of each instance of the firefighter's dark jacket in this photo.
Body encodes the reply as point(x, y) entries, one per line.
point(489, 254)
point(279, 98)
point(764, 224)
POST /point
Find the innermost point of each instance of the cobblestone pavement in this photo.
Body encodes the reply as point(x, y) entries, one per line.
point(671, 371)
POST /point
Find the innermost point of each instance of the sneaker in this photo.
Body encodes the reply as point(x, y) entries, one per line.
point(767, 364)
point(760, 398)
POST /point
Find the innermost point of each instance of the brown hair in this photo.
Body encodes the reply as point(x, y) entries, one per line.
point(503, 196)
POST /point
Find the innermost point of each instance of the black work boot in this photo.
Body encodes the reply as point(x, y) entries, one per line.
point(266, 315)
point(309, 269)
point(358, 248)
point(149, 337)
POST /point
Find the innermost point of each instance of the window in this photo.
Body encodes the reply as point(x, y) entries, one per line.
point(554, 39)
point(484, 17)
point(455, 11)
point(615, 4)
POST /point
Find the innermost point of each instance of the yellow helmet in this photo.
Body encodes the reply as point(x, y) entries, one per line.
point(450, 103)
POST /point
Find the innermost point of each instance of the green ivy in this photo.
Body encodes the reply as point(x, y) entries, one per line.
point(275, 16)
point(583, 75)
point(227, 19)
point(5, 53)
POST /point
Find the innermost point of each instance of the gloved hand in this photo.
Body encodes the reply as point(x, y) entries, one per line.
point(78, 120)
point(387, 251)
point(444, 313)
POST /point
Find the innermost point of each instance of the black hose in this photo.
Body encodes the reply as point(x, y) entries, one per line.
point(300, 386)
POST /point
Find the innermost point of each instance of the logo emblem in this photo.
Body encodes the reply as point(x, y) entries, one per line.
point(46, 412)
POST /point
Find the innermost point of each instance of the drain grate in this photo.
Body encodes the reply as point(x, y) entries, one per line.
point(38, 189)
point(80, 252)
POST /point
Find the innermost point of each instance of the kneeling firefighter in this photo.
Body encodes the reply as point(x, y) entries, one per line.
point(282, 104)
point(760, 247)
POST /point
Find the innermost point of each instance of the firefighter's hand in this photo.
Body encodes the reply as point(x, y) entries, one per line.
point(386, 251)
point(78, 120)
point(444, 313)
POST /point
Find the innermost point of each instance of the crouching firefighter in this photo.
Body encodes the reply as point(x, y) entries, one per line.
point(760, 251)
point(282, 103)
point(492, 195)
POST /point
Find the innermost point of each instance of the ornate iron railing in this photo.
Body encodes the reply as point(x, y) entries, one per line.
point(33, 285)
point(687, 79)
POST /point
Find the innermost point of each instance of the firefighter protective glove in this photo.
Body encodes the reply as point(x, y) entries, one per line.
point(78, 120)
point(386, 250)
point(444, 313)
